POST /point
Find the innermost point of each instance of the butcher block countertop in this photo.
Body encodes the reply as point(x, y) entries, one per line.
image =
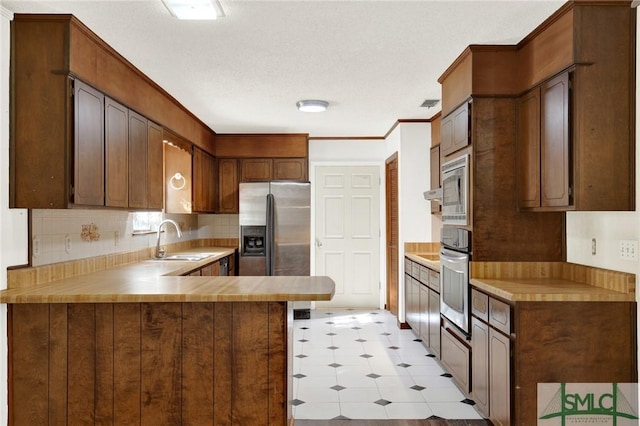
point(538, 281)
point(552, 282)
point(161, 281)
point(430, 260)
point(549, 290)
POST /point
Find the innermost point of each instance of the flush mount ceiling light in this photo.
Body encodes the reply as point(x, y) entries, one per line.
point(195, 9)
point(311, 105)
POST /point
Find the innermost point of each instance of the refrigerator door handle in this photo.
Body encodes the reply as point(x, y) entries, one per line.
point(270, 243)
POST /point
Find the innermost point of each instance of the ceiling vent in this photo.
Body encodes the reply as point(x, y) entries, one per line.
point(428, 103)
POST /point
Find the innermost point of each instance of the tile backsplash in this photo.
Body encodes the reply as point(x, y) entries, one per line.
point(218, 226)
point(63, 235)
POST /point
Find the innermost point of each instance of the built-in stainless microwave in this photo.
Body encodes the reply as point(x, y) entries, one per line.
point(455, 191)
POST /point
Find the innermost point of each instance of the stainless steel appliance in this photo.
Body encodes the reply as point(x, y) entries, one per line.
point(455, 191)
point(455, 255)
point(275, 231)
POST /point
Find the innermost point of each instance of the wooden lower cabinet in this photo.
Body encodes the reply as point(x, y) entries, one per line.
point(480, 365)
point(456, 357)
point(422, 304)
point(499, 378)
point(150, 364)
point(490, 372)
point(515, 346)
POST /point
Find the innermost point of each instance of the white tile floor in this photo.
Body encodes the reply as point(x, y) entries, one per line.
point(357, 364)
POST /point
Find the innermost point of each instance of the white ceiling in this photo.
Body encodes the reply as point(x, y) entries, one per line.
point(374, 61)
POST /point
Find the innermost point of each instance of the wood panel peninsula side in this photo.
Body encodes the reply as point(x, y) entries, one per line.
point(148, 343)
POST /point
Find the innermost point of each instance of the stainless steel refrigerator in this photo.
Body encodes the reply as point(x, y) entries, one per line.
point(275, 231)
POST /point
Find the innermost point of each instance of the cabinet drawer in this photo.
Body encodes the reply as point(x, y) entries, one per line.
point(434, 280)
point(415, 270)
point(456, 357)
point(480, 305)
point(407, 266)
point(424, 275)
point(500, 315)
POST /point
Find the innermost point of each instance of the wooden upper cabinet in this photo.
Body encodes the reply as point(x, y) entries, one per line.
point(116, 133)
point(155, 166)
point(555, 162)
point(62, 151)
point(256, 169)
point(454, 131)
point(204, 181)
point(528, 148)
point(88, 146)
point(228, 190)
point(178, 176)
point(543, 146)
point(290, 169)
point(137, 161)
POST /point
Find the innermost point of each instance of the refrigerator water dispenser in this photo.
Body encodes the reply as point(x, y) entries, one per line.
point(253, 240)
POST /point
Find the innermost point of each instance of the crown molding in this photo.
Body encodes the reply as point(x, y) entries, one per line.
point(6, 13)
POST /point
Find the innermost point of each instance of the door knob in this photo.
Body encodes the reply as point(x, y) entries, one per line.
point(318, 243)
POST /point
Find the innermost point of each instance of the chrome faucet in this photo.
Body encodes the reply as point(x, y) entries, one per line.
point(161, 252)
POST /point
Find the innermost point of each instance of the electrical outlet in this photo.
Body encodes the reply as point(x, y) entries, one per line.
point(629, 250)
point(67, 244)
point(593, 246)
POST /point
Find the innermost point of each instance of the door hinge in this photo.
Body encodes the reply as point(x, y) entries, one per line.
point(379, 285)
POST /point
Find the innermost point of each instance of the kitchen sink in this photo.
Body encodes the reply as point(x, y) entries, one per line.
point(193, 257)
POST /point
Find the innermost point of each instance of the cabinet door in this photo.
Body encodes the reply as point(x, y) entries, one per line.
point(480, 364)
point(204, 181)
point(116, 139)
point(408, 298)
point(456, 357)
point(528, 148)
point(554, 142)
point(290, 169)
point(423, 313)
point(434, 323)
point(228, 190)
point(211, 270)
point(137, 161)
point(455, 130)
point(89, 146)
point(435, 175)
point(155, 165)
point(499, 377)
point(256, 169)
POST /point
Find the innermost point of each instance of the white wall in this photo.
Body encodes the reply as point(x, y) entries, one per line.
point(412, 142)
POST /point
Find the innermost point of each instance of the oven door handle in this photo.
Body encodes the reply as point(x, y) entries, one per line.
point(452, 255)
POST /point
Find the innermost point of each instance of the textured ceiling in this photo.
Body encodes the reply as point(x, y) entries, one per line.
point(374, 61)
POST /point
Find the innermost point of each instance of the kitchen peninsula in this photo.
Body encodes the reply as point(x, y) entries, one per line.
point(146, 343)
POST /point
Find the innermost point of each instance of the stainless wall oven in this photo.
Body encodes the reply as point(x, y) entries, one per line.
point(455, 255)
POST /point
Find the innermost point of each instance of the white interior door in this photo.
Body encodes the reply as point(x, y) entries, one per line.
point(347, 204)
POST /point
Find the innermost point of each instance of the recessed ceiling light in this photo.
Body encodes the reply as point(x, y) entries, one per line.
point(195, 9)
point(311, 105)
